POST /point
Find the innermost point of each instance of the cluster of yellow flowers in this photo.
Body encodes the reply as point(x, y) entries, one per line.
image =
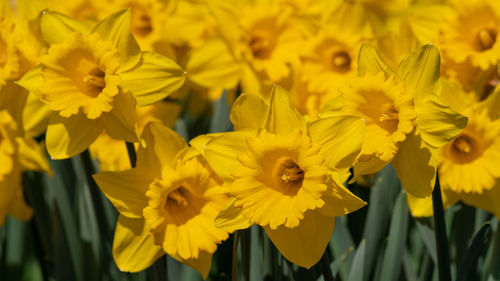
point(324, 88)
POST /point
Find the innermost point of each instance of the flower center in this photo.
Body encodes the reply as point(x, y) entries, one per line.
point(94, 81)
point(465, 148)
point(291, 174)
point(490, 85)
point(260, 47)
point(341, 62)
point(486, 37)
point(178, 197)
point(140, 21)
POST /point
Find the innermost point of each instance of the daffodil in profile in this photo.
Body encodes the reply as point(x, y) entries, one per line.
point(92, 78)
point(407, 122)
point(167, 204)
point(284, 174)
point(17, 154)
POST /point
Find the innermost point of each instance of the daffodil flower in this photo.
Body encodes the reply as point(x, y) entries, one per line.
point(167, 204)
point(467, 167)
point(17, 154)
point(407, 122)
point(284, 174)
point(92, 78)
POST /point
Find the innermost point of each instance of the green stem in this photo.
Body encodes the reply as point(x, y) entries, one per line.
point(325, 267)
point(160, 269)
point(443, 255)
point(131, 153)
point(234, 270)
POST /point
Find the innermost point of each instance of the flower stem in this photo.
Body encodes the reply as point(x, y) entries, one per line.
point(234, 270)
point(131, 153)
point(325, 267)
point(160, 269)
point(440, 234)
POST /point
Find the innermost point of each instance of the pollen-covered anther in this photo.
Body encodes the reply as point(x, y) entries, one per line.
point(177, 197)
point(462, 144)
point(486, 38)
point(389, 115)
point(259, 46)
point(292, 174)
point(95, 78)
point(341, 61)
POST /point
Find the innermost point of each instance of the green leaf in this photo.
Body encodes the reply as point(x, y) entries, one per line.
point(220, 120)
point(427, 235)
point(409, 271)
point(494, 260)
point(469, 263)
point(341, 242)
point(383, 193)
point(391, 266)
point(357, 273)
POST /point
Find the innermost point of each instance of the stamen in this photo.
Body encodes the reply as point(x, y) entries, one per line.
point(177, 197)
point(388, 116)
point(486, 38)
point(259, 46)
point(95, 78)
point(292, 174)
point(462, 144)
point(341, 61)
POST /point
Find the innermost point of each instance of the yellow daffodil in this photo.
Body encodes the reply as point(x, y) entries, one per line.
point(284, 174)
point(407, 122)
point(112, 154)
point(91, 80)
point(17, 154)
point(167, 204)
point(471, 31)
point(263, 37)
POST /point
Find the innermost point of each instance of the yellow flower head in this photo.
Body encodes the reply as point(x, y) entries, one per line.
point(407, 123)
point(264, 37)
point(17, 154)
point(330, 58)
point(112, 154)
point(284, 174)
point(9, 53)
point(471, 33)
point(92, 79)
point(469, 162)
point(167, 204)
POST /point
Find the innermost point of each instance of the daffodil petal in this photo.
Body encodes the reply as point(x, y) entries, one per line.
point(420, 71)
point(200, 141)
point(133, 245)
point(126, 190)
point(121, 121)
point(282, 117)
point(370, 62)
point(438, 123)
point(20, 210)
point(202, 264)
point(56, 27)
point(331, 108)
point(221, 152)
point(36, 116)
point(488, 200)
point(422, 207)
point(154, 78)
point(32, 156)
point(416, 165)
point(231, 219)
point(250, 81)
point(248, 112)
point(213, 66)
point(305, 244)
point(66, 137)
point(116, 28)
point(340, 139)
point(32, 80)
point(339, 201)
point(158, 148)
